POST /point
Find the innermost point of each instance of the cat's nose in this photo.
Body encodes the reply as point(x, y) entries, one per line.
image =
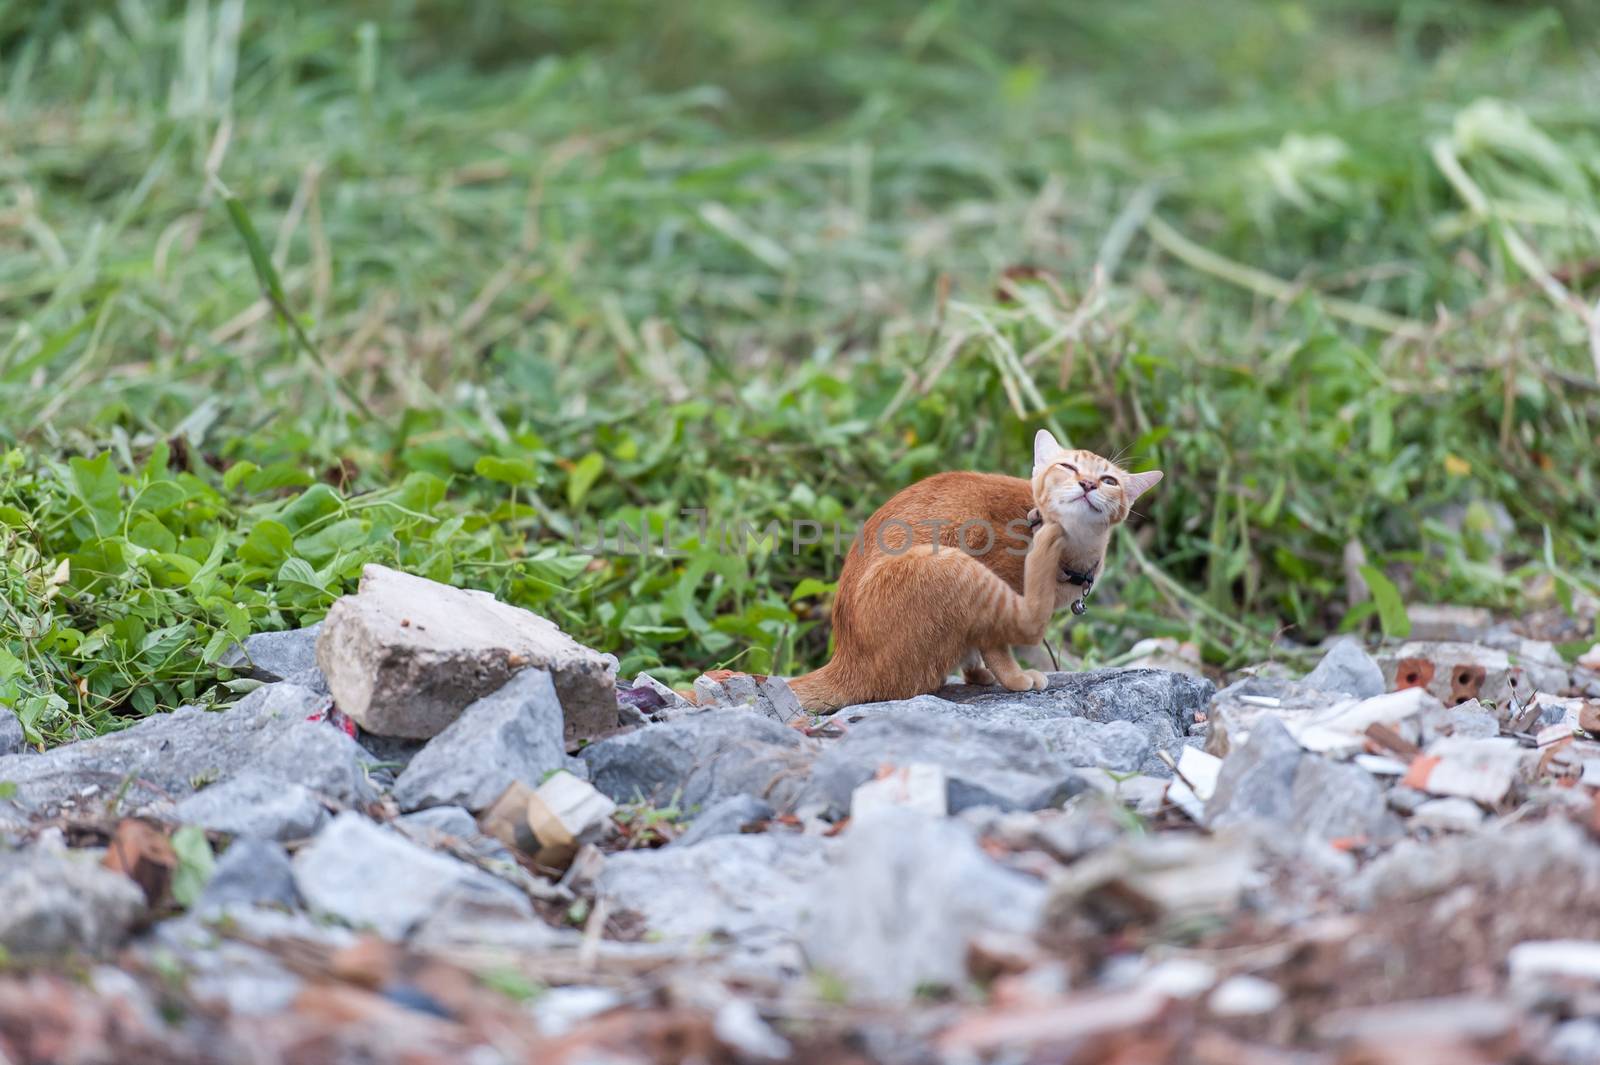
point(1087, 486)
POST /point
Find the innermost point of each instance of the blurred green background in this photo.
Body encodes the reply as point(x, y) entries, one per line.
point(287, 288)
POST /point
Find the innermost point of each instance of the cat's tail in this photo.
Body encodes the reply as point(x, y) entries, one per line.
point(824, 690)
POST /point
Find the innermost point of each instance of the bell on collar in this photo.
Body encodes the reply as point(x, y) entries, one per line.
point(1080, 606)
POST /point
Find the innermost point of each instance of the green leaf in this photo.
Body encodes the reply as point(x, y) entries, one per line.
point(299, 571)
point(196, 863)
point(315, 503)
point(810, 588)
point(1391, 609)
point(515, 472)
point(238, 472)
point(587, 470)
point(268, 544)
point(159, 496)
point(97, 487)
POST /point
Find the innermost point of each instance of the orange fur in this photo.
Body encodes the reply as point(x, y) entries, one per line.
point(926, 588)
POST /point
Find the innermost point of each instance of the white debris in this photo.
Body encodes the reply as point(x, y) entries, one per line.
point(1194, 782)
point(1483, 770)
point(920, 786)
point(1572, 959)
point(739, 1026)
point(1452, 814)
point(1244, 996)
point(1380, 765)
point(1179, 978)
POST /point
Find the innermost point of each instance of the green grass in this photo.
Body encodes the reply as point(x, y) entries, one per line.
point(285, 289)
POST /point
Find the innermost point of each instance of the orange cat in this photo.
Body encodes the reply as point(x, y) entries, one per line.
point(947, 572)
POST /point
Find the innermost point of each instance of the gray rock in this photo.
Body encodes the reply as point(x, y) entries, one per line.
point(1468, 720)
point(902, 897)
point(251, 804)
point(12, 740)
point(1337, 800)
point(251, 872)
point(275, 655)
point(1406, 800)
point(1271, 781)
point(405, 656)
point(369, 876)
point(985, 764)
point(57, 903)
point(167, 756)
point(511, 735)
point(697, 761)
point(726, 818)
point(1553, 855)
point(1348, 670)
point(1159, 703)
point(227, 972)
point(472, 918)
point(1575, 1042)
point(444, 827)
point(1257, 779)
point(745, 895)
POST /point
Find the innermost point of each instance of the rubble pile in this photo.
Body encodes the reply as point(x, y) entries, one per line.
point(441, 830)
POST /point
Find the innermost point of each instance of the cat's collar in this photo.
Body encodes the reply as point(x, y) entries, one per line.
point(1083, 579)
point(1072, 576)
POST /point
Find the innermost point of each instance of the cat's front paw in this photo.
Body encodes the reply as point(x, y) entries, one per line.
point(1037, 679)
point(977, 675)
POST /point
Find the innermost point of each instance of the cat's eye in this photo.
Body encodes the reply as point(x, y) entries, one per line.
point(1108, 479)
point(1068, 466)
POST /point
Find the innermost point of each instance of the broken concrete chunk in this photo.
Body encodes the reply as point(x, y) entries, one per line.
point(1347, 669)
point(506, 819)
point(405, 656)
point(564, 813)
point(511, 735)
point(920, 787)
point(1234, 710)
point(1484, 770)
point(766, 695)
point(1457, 673)
point(1194, 782)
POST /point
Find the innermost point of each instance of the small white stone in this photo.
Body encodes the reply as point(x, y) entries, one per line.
point(1245, 996)
point(1180, 978)
point(1569, 958)
point(1454, 815)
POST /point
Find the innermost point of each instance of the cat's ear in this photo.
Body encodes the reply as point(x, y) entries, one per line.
point(1140, 483)
point(1044, 448)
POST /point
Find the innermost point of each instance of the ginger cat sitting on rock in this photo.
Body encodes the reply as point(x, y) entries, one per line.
point(948, 572)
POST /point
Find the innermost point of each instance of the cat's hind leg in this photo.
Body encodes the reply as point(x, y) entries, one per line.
point(973, 670)
point(1005, 669)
